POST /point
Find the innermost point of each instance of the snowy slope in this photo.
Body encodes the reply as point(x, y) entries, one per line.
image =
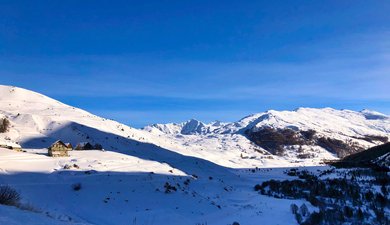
point(211, 166)
point(37, 121)
point(119, 189)
point(329, 121)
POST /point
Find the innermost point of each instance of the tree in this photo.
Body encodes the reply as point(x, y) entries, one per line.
point(4, 125)
point(294, 208)
point(304, 211)
point(348, 211)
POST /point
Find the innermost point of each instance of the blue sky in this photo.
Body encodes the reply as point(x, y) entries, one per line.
point(143, 62)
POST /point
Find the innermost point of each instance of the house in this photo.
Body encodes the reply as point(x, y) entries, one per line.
point(58, 149)
point(84, 146)
point(88, 146)
point(70, 146)
point(11, 145)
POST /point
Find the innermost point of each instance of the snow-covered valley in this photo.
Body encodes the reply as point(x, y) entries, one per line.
point(188, 173)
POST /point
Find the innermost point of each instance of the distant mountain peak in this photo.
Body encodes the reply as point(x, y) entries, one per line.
point(373, 115)
point(193, 126)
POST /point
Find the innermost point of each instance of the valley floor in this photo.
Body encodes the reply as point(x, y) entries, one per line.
point(120, 189)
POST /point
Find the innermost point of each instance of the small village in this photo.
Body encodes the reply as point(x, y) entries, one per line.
point(57, 149)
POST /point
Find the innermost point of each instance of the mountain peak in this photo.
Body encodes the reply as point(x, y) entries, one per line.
point(193, 126)
point(373, 115)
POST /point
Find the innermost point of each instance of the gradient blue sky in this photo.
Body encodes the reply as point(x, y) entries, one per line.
point(143, 62)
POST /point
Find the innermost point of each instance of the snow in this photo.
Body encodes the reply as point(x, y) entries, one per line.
point(37, 121)
point(125, 183)
point(218, 142)
point(118, 189)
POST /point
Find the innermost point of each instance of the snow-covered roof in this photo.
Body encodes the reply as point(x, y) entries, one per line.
point(10, 144)
point(59, 142)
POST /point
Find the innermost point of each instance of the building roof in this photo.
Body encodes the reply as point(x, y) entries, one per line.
point(59, 142)
point(82, 144)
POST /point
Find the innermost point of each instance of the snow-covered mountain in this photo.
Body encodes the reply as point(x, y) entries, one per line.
point(324, 120)
point(274, 138)
point(187, 173)
point(37, 121)
point(310, 132)
point(191, 126)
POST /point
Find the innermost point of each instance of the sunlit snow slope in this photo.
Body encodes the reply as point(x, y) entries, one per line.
point(37, 121)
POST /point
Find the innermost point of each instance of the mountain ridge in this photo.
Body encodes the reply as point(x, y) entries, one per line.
point(38, 120)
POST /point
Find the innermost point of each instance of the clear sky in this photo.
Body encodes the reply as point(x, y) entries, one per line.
point(143, 62)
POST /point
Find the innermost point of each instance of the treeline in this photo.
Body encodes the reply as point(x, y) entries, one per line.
point(340, 200)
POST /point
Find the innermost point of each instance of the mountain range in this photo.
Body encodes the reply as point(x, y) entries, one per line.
point(177, 173)
point(273, 138)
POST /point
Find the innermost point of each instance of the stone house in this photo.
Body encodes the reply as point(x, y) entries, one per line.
point(70, 146)
point(58, 149)
point(84, 146)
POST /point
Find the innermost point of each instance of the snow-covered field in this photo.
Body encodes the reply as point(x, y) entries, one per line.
point(121, 189)
point(208, 170)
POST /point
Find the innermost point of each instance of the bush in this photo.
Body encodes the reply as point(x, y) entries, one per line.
point(298, 217)
point(169, 188)
point(76, 186)
point(9, 196)
point(348, 212)
point(314, 218)
point(294, 208)
point(303, 210)
point(4, 125)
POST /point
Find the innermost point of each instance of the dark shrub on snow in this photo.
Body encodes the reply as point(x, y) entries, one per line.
point(4, 125)
point(9, 196)
point(76, 186)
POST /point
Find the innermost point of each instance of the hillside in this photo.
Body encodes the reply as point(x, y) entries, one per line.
point(305, 136)
point(36, 121)
point(188, 173)
point(378, 156)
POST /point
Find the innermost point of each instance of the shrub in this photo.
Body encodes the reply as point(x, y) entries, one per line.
point(9, 196)
point(304, 211)
point(76, 186)
point(4, 125)
point(298, 217)
point(348, 211)
point(294, 208)
point(169, 188)
point(315, 218)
